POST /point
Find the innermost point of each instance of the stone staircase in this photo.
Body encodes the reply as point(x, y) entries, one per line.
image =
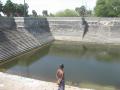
point(14, 42)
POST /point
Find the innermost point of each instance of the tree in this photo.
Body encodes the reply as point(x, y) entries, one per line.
point(52, 15)
point(67, 13)
point(45, 13)
point(81, 10)
point(13, 9)
point(26, 9)
point(9, 8)
point(89, 12)
point(34, 13)
point(107, 8)
point(22, 9)
point(19, 10)
point(1, 6)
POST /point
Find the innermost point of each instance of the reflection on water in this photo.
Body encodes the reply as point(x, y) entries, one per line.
point(84, 63)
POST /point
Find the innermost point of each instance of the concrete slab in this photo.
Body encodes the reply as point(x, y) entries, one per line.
point(14, 82)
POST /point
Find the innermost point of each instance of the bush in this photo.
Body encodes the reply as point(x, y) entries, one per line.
point(67, 13)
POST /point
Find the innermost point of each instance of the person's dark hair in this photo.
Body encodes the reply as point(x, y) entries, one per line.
point(61, 66)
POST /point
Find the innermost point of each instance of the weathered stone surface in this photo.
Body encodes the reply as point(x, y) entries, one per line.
point(100, 30)
point(13, 82)
point(20, 34)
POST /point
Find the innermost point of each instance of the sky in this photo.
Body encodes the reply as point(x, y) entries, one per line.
point(54, 6)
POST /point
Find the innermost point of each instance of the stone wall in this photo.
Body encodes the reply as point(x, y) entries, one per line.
point(18, 35)
point(100, 30)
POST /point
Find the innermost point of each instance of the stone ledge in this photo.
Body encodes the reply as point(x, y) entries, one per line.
point(14, 82)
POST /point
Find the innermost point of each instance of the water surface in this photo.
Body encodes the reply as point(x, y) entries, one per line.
point(84, 63)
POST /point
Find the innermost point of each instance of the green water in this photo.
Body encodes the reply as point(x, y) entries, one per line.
point(86, 65)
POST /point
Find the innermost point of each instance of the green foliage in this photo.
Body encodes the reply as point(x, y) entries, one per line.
point(9, 8)
point(82, 10)
point(19, 9)
point(51, 15)
point(107, 8)
point(89, 13)
point(45, 13)
point(34, 13)
point(13, 9)
point(1, 6)
point(26, 9)
point(67, 13)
